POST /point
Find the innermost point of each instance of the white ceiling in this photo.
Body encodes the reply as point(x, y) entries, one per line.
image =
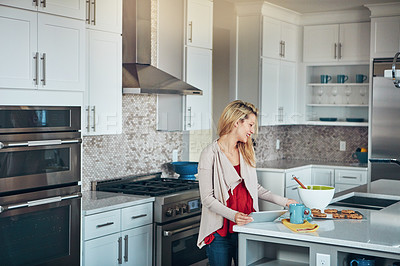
point(309, 6)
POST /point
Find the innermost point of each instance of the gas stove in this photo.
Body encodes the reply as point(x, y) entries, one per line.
point(174, 198)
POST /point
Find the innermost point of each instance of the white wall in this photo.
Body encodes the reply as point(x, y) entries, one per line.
point(224, 54)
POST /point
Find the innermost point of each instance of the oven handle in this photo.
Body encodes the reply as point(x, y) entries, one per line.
point(170, 233)
point(34, 143)
point(33, 203)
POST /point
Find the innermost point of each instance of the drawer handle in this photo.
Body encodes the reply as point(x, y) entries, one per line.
point(349, 177)
point(106, 224)
point(294, 188)
point(139, 216)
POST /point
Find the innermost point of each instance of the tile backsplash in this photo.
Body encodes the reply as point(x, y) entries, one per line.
point(139, 149)
point(142, 149)
point(301, 142)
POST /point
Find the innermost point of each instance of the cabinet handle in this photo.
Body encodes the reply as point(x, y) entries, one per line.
point(43, 58)
point(283, 49)
point(294, 188)
point(340, 51)
point(280, 48)
point(36, 2)
point(103, 225)
point(126, 248)
point(139, 216)
point(43, 3)
point(94, 118)
point(94, 12)
point(280, 114)
point(88, 119)
point(191, 31)
point(349, 177)
point(189, 124)
point(36, 79)
point(335, 51)
point(120, 250)
point(88, 12)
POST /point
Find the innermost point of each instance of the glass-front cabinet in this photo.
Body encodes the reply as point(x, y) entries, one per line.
point(337, 95)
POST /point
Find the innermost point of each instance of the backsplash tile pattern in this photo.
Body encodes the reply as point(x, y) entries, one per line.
point(139, 149)
point(300, 142)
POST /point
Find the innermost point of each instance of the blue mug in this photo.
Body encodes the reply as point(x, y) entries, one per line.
point(360, 78)
point(325, 78)
point(362, 262)
point(342, 78)
point(298, 212)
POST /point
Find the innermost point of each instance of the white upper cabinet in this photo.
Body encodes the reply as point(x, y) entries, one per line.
point(279, 39)
point(278, 92)
point(61, 43)
point(199, 21)
point(337, 43)
point(385, 36)
point(103, 97)
point(67, 8)
point(41, 51)
point(18, 48)
point(105, 15)
point(199, 75)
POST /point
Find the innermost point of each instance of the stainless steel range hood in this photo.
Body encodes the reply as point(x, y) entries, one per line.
point(138, 76)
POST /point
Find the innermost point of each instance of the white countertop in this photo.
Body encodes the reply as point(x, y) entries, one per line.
point(284, 164)
point(98, 201)
point(379, 230)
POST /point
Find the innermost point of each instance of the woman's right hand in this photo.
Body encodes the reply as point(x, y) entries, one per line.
point(242, 219)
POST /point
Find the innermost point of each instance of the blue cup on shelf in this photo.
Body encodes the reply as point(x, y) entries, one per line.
point(325, 78)
point(342, 78)
point(298, 213)
point(360, 78)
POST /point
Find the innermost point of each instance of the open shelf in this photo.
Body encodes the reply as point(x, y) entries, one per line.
point(337, 84)
point(272, 262)
point(336, 105)
point(336, 123)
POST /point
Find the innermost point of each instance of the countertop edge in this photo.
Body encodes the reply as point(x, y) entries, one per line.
point(310, 238)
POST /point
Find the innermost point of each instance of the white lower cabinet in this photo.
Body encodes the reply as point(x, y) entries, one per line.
point(281, 182)
point(122, 236)
point(346, 179)
point(322, 176)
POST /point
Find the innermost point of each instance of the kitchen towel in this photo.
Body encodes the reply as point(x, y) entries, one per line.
point(300, 228)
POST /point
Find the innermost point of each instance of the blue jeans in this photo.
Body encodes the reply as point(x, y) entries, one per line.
point(222, 250)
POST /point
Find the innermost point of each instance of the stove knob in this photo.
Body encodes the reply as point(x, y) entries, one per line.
point(169, 212)
point(177, 210)
point(184, 208)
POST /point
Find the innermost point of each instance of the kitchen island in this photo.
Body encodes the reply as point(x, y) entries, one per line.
point(376, 235)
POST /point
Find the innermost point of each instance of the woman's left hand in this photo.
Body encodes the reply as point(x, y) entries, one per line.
point(290, 201)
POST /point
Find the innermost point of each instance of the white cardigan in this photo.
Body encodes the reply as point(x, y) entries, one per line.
point(217, 176)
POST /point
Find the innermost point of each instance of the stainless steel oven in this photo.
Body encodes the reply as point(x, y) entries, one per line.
point(41, 227)
point(39, 159)
point(40, 199)
point(177, 243)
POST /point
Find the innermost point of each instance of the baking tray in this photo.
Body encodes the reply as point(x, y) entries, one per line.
point(329, 217)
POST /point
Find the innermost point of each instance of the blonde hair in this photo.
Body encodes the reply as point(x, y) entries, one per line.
point(233, 112)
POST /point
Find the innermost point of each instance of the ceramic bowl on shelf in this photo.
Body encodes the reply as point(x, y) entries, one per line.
point(316, 196)
point(355, 120)
point(328, 119)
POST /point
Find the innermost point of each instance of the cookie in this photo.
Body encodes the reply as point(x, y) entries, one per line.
point(320, 215)
point(331, 211)
point(338, 216)
point(347, 211)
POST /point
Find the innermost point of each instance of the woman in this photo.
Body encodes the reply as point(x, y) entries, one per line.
point(228, 183)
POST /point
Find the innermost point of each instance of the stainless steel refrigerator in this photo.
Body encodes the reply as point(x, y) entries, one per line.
point(385, 122)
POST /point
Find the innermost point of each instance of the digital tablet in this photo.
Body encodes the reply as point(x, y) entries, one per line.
point(266, 216)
